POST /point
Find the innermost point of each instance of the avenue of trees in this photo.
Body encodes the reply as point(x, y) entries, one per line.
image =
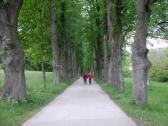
point(69, 37)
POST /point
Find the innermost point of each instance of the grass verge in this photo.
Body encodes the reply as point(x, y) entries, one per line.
point(13, 113)
point(154, 114)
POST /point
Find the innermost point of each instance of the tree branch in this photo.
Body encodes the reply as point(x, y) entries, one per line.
point(13, 10)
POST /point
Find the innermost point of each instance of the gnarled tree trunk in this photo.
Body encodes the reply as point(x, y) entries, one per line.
point(55, 48)
point(140, 60)
point(12, 55)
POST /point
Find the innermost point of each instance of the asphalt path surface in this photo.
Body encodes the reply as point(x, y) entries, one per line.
point(81, 105)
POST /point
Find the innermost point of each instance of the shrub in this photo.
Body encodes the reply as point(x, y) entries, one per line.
point(159, 74)
point(127, 73)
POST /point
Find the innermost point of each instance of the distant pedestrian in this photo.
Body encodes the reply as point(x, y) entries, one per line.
point(84, 76)
point(90, 76)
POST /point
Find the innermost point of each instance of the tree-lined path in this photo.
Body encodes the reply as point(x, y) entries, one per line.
point(81, 105)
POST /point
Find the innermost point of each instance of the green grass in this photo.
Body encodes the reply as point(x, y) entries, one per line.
point(155, 114)
point(13, 113)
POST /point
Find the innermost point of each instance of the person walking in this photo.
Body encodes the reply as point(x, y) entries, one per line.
point(90, 76)
point(84, 76)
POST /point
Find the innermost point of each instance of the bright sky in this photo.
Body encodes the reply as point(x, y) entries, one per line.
point(157, 43)
point(152, 44)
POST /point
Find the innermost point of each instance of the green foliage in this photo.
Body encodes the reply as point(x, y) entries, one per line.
point(4, 2)
point(71, 28)
point(159, 70)
point(158, 26)
point(126, 66)
point(34, 31)
point(129, 16)
point(159, 74)
point(15, 113)
point(127, 72)
point(154, 114)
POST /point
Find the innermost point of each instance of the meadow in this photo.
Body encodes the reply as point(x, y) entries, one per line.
point(153, 114)
point(13, 113)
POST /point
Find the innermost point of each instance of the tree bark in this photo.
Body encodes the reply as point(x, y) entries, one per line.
point(105, 64)
point(42, 67)
point(117, 78)
point(66, 58)
point(105, 27)
point(74, 66)
point(110, 34)
point(69, 62)
point(12, 55)
point(64, 49)
point(140, 62)
point(42, 50)
point(55, 48)
point(99, 49)
point(62, 68)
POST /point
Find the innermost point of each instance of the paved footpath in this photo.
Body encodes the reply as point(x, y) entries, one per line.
point(81, 105)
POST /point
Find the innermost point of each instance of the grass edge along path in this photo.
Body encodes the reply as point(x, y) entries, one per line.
point(13, 113)
point(154, 114)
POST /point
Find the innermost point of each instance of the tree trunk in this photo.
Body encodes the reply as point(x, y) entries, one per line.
point(141, 64)
point(12, 55)
point(42, 67)
point(66, 59)
point(42, 50)
point(110, 34)
point(55, 48)
point(64, 49)
point(62, 68)
point(74, 64)
point(65, 62)
point(105, 64)
point(69, 62)
point(99, 57)
point(99, 49)
point(117, 78)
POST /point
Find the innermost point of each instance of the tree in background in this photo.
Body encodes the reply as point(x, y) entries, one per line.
point(110, 37)
point(105, 41)
point(116, 47)
point(32, 31)
point(83, 35)
point(54, 41)
point(121, 18)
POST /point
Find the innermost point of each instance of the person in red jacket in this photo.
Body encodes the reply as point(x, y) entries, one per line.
point(84, 76)
point(90, 76)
